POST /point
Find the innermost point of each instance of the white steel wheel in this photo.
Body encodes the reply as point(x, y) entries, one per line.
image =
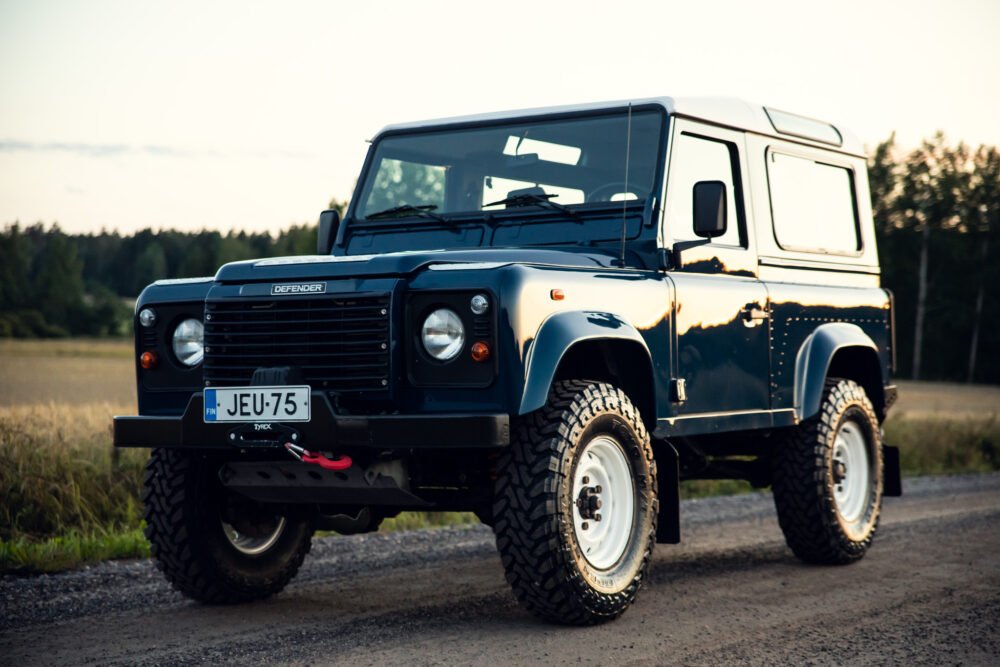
point(257, 539)
point(851, 472)
point(604, 508)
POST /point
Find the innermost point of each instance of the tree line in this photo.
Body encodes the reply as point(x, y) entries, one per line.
point(937, 216)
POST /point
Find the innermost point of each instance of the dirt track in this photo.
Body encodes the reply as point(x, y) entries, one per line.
point(927, 593)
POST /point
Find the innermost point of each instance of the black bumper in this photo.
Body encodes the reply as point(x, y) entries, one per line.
point(326, 430)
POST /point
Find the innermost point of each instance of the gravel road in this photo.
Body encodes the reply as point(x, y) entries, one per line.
point(927, 593)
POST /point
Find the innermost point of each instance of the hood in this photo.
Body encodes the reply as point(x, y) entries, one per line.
point(309, 267)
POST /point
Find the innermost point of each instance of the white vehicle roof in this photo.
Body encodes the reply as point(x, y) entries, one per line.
point(728, 112)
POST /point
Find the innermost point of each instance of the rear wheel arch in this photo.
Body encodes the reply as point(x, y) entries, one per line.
point(860, 364)
point(837, 350)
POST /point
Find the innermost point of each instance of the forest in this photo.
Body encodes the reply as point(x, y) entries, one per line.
point(937, 216)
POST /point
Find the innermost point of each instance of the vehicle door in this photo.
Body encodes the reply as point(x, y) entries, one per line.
point(721, 333)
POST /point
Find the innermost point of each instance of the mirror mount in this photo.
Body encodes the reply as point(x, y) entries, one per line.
point(326, 234)
point(709, 213)
point(672, 259)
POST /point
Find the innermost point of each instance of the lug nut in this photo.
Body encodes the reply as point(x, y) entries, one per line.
point(597, 517)
point(598, 489)
point(585, 525)
point(585, 480)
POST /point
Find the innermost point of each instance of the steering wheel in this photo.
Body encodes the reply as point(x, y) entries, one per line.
point(608, 190)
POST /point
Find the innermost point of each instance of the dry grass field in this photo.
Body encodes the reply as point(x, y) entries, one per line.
point(67, 372)
point(941, 400)
point(67, 497)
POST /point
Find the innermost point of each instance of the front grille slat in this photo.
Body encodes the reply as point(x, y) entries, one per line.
point(272, 326)
point(311, 320)
point(313, 345)
point(339, 343)
point(265, 309)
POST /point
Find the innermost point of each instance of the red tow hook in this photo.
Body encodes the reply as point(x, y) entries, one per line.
point(340, 463)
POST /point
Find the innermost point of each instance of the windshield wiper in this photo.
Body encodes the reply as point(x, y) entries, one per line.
point(532, 199)
point(408, 209)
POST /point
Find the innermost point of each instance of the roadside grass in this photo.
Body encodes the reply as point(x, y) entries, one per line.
point(945, 446)
point(67, 498)
point(69, 551)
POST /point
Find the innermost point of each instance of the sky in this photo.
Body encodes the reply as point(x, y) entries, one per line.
point(117, 114)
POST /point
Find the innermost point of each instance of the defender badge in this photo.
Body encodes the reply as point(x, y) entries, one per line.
point(298, 288)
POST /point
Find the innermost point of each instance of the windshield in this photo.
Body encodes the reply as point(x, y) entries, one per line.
point(553, 165)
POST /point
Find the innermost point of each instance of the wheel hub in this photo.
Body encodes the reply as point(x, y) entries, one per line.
point(589, 501)
point(839, 471)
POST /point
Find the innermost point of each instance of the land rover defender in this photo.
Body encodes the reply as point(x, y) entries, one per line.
point(549, 318)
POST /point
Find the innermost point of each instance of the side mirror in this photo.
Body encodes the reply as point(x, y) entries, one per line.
point(329, 223)
point(709, 209)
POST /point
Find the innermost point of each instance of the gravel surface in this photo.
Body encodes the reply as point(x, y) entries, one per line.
point(927, 593)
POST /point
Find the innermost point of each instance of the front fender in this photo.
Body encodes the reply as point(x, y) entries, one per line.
point(556, 335)
point(813, 362)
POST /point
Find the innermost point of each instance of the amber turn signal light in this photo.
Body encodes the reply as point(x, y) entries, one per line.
point(480, 351)
point(557, 295)
point(148, 360)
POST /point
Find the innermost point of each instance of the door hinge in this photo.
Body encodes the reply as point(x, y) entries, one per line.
point(678, 391)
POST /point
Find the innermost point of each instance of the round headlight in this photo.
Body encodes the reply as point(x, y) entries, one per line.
point(443, 334)
point(189, 342)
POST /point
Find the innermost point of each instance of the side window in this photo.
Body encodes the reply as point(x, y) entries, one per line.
point(694, 159)
point(812, 205)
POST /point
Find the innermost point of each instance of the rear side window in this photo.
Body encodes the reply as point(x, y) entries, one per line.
point(812, 205)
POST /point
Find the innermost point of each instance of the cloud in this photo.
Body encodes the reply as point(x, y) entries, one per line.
point(119, 150)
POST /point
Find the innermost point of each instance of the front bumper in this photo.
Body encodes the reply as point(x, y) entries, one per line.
point(326, 431)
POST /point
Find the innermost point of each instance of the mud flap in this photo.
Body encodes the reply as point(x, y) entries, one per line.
point(892, 478)
point(668, 493)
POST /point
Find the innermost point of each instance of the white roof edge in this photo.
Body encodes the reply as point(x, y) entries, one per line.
point(728, 111)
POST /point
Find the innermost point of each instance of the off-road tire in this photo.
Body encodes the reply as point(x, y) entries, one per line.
point(182, 497)
point(804, 483)
point(532, 511)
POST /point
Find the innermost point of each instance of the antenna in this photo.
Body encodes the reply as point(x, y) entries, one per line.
point(628, 155)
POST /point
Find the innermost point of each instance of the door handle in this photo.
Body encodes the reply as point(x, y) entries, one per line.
point(754, 314)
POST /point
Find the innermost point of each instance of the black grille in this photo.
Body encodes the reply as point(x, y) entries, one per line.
point(340, 343)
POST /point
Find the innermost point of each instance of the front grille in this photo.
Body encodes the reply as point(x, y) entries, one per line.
point(340, 343)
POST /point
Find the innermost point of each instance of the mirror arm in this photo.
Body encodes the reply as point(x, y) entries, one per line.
point(672, 257)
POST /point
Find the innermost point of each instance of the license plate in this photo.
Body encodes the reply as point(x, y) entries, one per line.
point(257, 404)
